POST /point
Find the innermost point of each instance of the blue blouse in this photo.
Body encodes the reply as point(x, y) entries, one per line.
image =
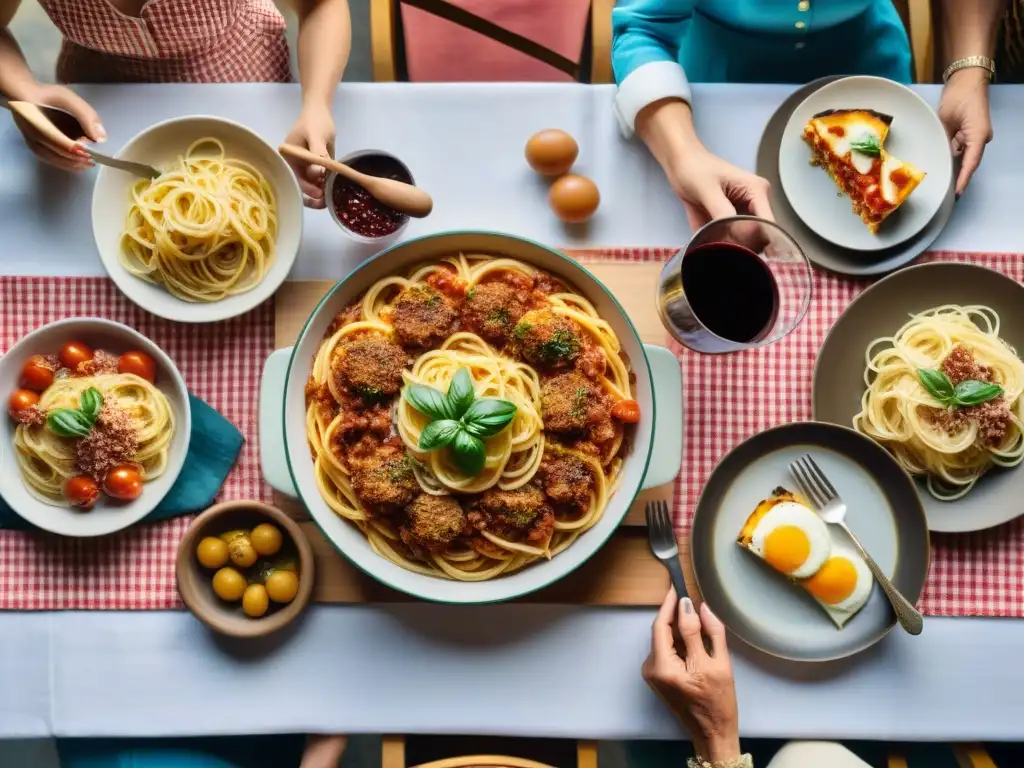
point(659, 46)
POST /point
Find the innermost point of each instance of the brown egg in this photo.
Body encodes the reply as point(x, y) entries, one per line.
point(551, 152)
point(574, 198)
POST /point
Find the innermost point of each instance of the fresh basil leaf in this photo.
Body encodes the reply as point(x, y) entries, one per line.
point(973, 392)
point(438, 434)
point(468, 453)
point(488, 416)
point(938, 385)
point(68, 422)
point(460, 393)
point(867, 145)
point(428, 401)
point(91, 403)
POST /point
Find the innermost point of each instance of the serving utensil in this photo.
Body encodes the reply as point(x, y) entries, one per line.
point(816, 488)
point(404, 198)
point(60, 126)
point(662, 536)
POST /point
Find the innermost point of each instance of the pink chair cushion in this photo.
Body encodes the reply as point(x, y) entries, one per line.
point(436, 50)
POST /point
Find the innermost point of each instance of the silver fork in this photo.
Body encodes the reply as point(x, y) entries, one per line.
point(819, 490)
point(662, 536)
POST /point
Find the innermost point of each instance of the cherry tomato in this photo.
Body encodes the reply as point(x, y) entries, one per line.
point(37, 374)
point(123, 482)
point(82, 491)
point(21, 399)
point(73, 353)
point(138, 363)
point(627, 411)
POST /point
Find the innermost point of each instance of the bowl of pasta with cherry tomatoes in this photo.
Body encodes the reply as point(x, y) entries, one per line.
point(96, 428)
point(468, 416)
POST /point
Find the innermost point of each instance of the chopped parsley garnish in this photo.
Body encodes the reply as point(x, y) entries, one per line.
point(579, 404)
point(470, 294)
point(499, 316)
point(521, 330)
point(563, 345)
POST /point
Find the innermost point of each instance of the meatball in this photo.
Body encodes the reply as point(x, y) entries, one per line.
point(492, 311)
point(548, 340)
point(567, 480)
point(432, 522)
point(371, 367)
point(386, 479)
point(510, 509)
point(572, 403)
point(423, 318)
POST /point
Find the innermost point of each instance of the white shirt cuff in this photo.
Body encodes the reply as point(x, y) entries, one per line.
point(646, 84)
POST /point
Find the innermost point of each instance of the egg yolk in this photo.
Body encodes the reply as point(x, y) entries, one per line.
point(786, 548)
point(834, 581)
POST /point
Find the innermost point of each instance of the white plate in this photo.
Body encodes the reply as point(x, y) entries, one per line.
point(105, 517)
point(159, 146)
point(915, 136)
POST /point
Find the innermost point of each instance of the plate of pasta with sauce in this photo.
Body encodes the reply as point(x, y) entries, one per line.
point(211, 237)
point(927, 363)
point(469, 416)
point(96, 430)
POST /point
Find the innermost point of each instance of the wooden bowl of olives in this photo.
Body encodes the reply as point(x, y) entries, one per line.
point(245, 568)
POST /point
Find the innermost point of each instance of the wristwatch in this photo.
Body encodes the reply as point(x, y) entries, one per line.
point(970, 61)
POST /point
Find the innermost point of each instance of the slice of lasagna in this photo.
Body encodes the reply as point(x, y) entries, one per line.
point(847, 143)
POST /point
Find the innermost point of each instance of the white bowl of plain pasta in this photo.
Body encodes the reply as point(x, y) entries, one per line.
point(468, 416)
point(211, 238)
point(96, 428)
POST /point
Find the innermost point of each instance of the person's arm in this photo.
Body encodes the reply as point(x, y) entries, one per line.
point(325, 40)
point(18, 84)
point(967, 29)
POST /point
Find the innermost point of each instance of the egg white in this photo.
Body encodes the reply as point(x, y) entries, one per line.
point(842, 612)
point(799, 516)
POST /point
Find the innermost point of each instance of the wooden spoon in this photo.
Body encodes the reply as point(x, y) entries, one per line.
point(402, 197)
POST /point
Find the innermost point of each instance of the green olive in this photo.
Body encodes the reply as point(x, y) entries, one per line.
point(241, 552)
point(228, 585)
point(255, 601)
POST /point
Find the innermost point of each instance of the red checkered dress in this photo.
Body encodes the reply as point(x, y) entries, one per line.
point(171, 41)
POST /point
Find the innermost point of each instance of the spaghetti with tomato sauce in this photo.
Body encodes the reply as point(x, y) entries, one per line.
point(526, 338)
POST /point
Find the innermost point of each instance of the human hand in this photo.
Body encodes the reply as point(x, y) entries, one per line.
point(964, 111)
point(65, 153)
point(712, 188)
point(697, 686)
point(323, 751)
point(314, 130)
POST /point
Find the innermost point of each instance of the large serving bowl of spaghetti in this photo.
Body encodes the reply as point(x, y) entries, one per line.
point(97, 427)
point(210, 238)
point(468, 416)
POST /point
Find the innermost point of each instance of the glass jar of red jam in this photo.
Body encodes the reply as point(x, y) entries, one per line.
point(354, 209)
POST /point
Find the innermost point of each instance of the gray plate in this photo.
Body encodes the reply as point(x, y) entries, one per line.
point(821, 252)
point(880, 311)
point(759, 605)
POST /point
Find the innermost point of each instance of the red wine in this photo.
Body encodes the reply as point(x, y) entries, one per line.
point(730, 290)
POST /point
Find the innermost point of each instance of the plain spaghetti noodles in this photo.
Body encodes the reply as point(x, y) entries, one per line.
point(47, 460)
point(950, 443)
point(205, 230)
point(525, 338)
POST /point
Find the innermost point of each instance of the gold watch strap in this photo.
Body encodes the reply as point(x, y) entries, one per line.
point(743, 761)
point(970, 61)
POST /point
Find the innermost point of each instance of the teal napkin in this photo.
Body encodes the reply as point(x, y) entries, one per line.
point(212, 452)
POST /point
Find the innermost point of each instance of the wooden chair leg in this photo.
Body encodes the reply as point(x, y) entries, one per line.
point(972, 756)
point(601, 41)
point(586, 754)
point(383, 28)
point(392, 752)
point(897, 761)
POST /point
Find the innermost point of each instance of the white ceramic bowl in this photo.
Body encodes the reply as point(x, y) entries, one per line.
point(159, 146)
point(286, 458)
point(105, 517)
point(915, 136)
point(332, 179)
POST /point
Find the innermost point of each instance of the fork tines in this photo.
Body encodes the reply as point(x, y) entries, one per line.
point(812, 480)
point(659, 524)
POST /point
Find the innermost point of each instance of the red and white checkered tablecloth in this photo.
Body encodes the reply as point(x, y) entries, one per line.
point(134, 569)
point(978, 574)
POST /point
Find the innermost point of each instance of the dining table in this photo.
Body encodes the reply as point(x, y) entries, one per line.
point(511, 669)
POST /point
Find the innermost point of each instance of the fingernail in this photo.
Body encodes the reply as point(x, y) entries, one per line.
point(686, 604)
point(99, 132)
point(708, 609)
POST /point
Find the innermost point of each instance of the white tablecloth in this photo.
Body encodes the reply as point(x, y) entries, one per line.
point(530, 670)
